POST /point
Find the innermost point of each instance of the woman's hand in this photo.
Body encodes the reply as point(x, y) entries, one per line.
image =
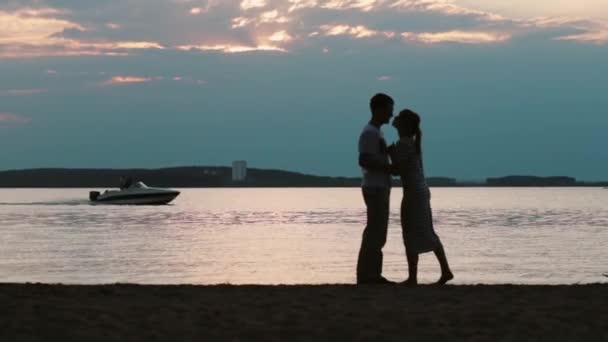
point(394, 170)
point(392, 151)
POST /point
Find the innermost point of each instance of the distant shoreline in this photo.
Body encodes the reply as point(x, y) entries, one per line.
point(221, 177)
point(300, 187)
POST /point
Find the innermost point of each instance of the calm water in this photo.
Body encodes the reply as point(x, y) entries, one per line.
point(269, 236)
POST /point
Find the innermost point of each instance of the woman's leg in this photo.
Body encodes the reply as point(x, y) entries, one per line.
point(446, 273)
point(412, 267)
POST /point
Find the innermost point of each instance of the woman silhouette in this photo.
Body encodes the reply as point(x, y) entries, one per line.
point(416, 216)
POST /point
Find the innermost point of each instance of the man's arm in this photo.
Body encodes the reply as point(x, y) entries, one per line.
point(374, 163)
point(369, 145)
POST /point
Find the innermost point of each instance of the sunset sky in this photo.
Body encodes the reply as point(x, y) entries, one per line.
point(503, 86)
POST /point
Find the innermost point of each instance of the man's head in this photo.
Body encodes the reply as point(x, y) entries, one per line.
point(382, 107)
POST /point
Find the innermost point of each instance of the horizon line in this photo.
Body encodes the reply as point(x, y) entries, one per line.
point(462, 180)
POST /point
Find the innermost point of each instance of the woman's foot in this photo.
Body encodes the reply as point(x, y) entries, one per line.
point(410, 283)
point(445, 277)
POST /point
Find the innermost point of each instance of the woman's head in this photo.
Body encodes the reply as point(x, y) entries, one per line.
point(407, 123)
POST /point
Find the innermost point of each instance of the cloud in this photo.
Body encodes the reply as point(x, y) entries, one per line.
point(358, 31)
point(227, 48)
point(250, 4)
point(272, 17)
point(280, 36)
point(22, 92)
point(129, 79)
point(47, 28)
point(13, 119)
point(598, 37)
point(34, 26)
point(28, 32)
point(117, 80)
point(589, 31)
point(363, 5)
point(444, 7)
point(462, 37)
point(188, 80)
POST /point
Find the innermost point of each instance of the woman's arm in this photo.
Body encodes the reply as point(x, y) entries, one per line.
point(401, 158)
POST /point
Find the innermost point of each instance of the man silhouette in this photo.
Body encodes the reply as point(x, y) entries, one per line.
point(376, 188)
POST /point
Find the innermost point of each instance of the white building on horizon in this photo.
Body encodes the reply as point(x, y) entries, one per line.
point(239, 171)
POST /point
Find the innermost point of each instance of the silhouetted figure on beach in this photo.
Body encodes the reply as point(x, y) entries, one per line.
point(416, 216)
point(376, 188)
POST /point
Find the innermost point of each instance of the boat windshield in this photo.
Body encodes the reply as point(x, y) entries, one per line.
point(140, 185)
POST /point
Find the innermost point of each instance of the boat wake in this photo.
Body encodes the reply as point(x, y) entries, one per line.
point(49, 203)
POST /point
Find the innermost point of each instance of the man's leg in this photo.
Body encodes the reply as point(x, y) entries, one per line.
point(369, 265)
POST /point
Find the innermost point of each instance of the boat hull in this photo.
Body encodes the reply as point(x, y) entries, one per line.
point(149, 198)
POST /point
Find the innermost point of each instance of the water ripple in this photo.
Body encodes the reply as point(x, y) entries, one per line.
point(471, 218)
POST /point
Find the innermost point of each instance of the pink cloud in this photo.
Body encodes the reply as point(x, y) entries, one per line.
point(117, 80)
point(13, 119)
point(280, 36)
point(444, 7)
point(242, 26)
point(27, 32)
point(358, 31)
point(251, 4)
point(384, 78)
point(229, 48)
point(598, 37)
point(590, 31)
point(462, 37)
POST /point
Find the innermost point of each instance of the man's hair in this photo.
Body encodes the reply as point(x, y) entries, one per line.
point(380, 101)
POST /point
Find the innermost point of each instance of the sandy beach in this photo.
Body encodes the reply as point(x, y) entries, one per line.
point(35, 312)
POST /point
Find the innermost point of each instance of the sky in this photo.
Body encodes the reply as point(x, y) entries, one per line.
point(503, 87)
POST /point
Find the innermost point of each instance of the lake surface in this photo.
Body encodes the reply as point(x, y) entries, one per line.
point(295, 236)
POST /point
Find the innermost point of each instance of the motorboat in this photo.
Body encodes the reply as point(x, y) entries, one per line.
point(136, 194)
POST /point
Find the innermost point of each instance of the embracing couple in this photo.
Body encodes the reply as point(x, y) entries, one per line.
point(379, 162)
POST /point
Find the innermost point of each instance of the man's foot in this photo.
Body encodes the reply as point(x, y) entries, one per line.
point(377, 281)
point(410, 283)
point(445, 278)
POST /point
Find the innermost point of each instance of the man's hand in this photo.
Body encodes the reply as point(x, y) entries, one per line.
point(394, 170)
point(373, 163)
